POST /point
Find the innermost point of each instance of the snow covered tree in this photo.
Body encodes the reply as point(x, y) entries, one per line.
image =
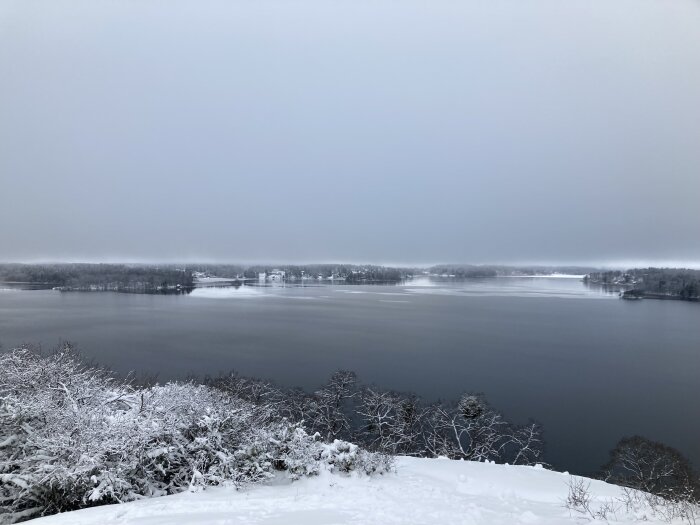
point(328, 411)
point(256, 391)
point(469, 431)
point(391, 422)
point(472, 430)
point(525, 444)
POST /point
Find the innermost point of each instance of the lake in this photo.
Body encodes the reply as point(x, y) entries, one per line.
point(590, 367)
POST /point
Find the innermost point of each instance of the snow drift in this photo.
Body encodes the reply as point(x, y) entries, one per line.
point(420, 491)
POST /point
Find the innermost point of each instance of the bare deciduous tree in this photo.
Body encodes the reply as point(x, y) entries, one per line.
point(653, 467)
point(390, 422)
point(329, 414)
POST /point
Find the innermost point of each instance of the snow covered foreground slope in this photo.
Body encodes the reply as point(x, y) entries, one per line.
point(425, 491)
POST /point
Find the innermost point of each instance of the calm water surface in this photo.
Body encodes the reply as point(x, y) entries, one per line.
point(592, 368)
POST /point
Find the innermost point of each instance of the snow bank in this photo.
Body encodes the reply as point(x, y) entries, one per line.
point(421, 491)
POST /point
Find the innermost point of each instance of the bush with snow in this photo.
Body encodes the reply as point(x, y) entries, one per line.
point(346, 457)
point(73, 436)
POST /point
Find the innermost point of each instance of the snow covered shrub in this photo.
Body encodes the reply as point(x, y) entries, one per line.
point(580, 501)
point(253, 462)
point(340, 455)
point(54, 413)
point(72, 436)
point(346, 457)
point(203, 437)
point(296, 451)
point(374, 462)
point(648, 506)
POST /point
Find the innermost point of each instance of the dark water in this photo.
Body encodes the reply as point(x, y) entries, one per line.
point(592, 368)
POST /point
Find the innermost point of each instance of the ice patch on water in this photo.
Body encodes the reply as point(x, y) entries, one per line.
point(561, 286)
point(228, 292)
point(421, 281)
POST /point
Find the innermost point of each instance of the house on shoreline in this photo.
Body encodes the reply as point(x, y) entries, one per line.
point(274, 276)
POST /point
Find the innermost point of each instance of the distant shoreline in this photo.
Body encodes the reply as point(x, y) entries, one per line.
point(650, 283)
point(659, 296)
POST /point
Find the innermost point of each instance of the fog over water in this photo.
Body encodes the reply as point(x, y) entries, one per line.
point(387, 131)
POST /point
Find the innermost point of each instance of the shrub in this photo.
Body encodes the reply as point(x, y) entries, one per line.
point(74, 436)
point(346, 457)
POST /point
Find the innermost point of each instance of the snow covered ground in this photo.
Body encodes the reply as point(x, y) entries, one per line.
point(422, 491)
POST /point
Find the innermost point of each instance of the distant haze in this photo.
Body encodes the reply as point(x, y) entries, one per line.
point(390, 131)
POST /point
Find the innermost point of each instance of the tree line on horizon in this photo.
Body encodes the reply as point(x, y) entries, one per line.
point(100, 277)
point(149, 278)
point(673, 282)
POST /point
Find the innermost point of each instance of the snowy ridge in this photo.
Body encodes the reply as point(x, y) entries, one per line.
point(421, 491)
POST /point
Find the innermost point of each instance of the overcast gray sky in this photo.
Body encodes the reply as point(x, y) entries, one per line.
point(387, 131)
